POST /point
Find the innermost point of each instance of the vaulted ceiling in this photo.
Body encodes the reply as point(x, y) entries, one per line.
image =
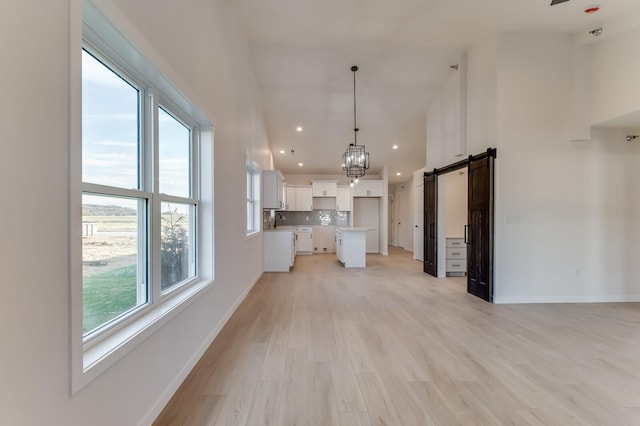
point(303, 51)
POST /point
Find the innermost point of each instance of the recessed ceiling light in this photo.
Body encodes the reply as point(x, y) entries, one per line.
point(300, 164)
point(282, 151)
point(395, 147)
point(398, 174)
point(299, 129)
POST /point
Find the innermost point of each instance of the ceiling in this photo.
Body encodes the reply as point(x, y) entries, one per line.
point(303, 51)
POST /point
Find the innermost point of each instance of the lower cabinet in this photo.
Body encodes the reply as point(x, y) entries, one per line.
point(456, 257)
point(351, 248)
point(324, 240)
point(279, 250)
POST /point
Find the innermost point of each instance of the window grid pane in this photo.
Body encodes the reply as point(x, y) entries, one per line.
point(174, 147)
point(113, 266)
point(176, 244)
point(110, 127)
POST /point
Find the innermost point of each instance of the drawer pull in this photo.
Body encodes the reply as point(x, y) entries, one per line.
point(454, 253)
point(455, 244)
point(454, 265)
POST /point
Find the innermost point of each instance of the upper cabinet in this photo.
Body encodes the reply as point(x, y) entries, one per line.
point(343, 199)
point(290, 200)
point(299, 198)
point(304, 198)
point(368, 188)
point(324, 188)
point(272, 190)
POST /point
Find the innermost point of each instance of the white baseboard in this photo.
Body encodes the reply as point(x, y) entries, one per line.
point(606, 298)
point(164, 398)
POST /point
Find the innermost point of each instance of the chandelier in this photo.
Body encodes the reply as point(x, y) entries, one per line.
point(355, 160)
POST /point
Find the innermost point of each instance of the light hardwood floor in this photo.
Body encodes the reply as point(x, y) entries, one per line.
point(389, 345)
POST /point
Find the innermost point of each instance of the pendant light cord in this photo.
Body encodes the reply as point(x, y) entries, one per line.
point(355, 123)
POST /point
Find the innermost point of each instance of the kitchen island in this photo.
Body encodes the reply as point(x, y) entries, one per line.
point(351, 246)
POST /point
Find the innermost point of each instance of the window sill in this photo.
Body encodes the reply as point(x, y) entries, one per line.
point(252, 235)
point(104, 354)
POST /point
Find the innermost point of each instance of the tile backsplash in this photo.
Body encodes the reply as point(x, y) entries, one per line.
point(272, 219)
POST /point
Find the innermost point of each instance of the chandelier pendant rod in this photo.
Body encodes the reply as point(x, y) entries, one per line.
point(355, 123)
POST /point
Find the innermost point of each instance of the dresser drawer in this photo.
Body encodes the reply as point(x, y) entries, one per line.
point(455, 242)
point(457, 265)
point(457, 253)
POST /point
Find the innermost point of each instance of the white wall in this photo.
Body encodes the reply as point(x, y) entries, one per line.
point(454, 185)
point(566, 213)
point(34, 361)
point(614, 69)
point(567, 219)
point(480, 88)
point(452, 213)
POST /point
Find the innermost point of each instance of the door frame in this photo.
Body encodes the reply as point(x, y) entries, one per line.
point(490, 152)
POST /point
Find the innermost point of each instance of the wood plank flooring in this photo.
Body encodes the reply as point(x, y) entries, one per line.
point(390, 345)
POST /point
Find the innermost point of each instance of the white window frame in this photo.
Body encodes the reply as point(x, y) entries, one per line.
point(93, 354)
point(253, 198)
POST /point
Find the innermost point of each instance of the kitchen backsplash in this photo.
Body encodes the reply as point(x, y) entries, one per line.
point(315, 217)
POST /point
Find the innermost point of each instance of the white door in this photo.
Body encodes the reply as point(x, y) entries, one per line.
point(404, 221)
point(391, 228)
point(366, 214)
point(418, 224)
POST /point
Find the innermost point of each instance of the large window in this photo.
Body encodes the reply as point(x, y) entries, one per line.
point(141, 199)
point(253, 198)
point(121, 204)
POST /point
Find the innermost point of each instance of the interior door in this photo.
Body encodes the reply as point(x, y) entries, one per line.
point(430, 264)
point(479, 231)
point(418, 226)
point(403, 220)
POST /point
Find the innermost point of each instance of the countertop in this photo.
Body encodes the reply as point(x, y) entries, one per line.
point(354, 229)
point(281, 229)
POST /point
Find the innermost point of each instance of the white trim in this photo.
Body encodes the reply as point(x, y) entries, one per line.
point(252, 235)
point(171, 389)
point(256, 173)
point(604, 298)
point(108, 351)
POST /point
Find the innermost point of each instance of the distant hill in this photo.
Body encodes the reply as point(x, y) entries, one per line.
point(102, 210)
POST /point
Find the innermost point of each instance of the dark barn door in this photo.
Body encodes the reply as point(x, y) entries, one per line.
point(430, 224)
point(479, 231)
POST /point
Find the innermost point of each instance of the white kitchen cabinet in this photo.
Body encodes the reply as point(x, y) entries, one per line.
point(324, 188)
point(279, 249)
point(339, 250)
point(273, 191)
point(351, 246)
point(290, 201)
point(324, 239)
point(368, 188)
point(456, 257)
point(343, 199)
point(304, 199)
point(299, 198)
point(304, 240)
